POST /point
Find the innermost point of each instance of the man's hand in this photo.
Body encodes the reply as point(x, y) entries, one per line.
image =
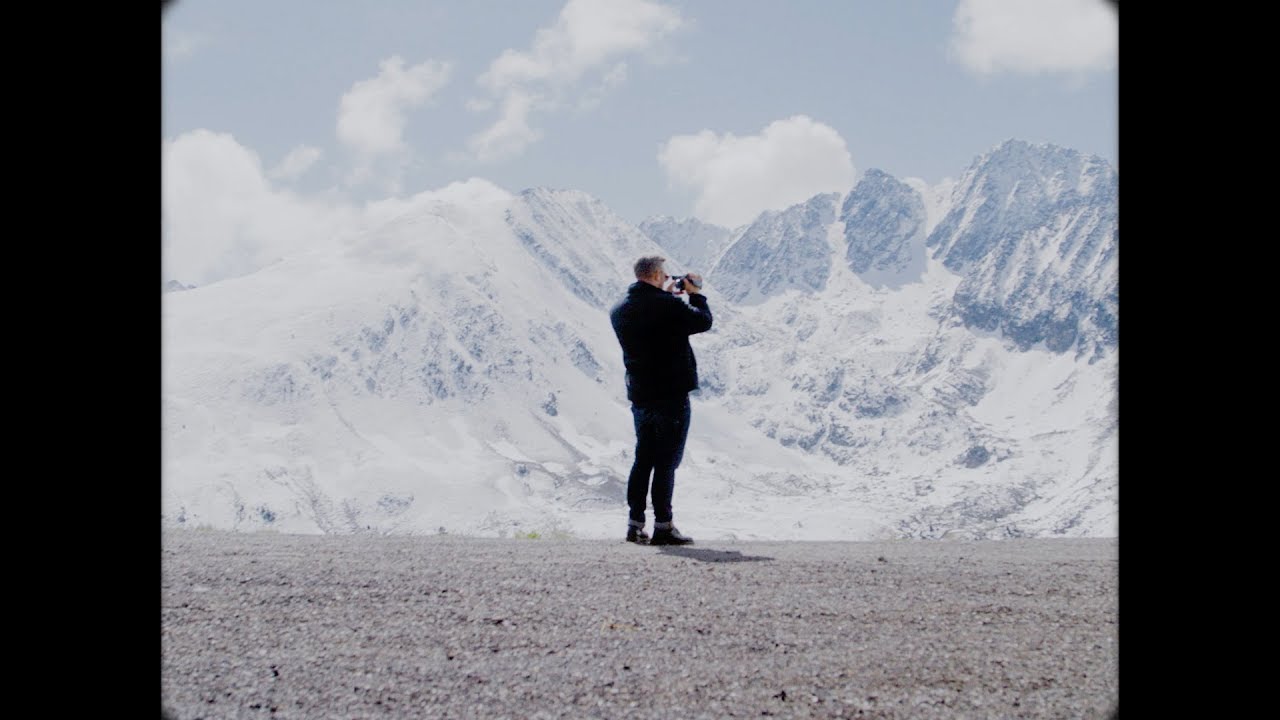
point(689, 287)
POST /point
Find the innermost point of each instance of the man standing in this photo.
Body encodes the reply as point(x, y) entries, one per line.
point(653, 326)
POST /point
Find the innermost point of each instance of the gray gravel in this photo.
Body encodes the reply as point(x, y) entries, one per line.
point(306, 626)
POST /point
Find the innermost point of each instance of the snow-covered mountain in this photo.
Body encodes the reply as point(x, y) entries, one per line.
point(937, 199)
point(780, 251)
point(1033, 230)
point(454, 368)
point(691, 242)
point(884, 229)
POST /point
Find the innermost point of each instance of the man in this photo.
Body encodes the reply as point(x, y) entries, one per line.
point(653, 326)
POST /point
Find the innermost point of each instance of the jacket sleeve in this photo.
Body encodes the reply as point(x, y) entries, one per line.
point(696, 316)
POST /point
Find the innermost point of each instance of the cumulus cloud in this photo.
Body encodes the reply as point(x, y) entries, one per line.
point(588, 39)
point(220, 216)
point(181, 44)
point(298, 161)
point(510, 134)
point(734, 179)
point(372, 115)
point(612, 79)
point(1044, 36)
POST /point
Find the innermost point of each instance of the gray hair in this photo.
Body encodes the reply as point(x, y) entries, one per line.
point(647, 266)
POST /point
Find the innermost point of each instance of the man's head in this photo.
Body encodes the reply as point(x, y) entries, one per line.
point(650, 270)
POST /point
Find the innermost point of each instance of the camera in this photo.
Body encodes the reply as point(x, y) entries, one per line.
point(682, 279)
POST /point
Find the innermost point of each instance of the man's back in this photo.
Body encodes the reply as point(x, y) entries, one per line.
point(653, 327)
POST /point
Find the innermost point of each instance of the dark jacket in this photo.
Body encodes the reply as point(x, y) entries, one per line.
point(653, 326)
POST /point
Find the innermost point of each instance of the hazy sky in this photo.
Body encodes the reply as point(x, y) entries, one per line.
point(283, 117)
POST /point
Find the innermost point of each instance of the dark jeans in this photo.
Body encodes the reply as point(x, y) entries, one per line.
point(661, 429)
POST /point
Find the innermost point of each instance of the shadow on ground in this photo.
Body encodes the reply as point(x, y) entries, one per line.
point(712, 556)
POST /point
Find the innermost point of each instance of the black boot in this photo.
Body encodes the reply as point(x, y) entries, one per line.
point(637, 535)
point(669, 536)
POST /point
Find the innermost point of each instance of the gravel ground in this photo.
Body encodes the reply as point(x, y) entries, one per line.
point(310, 627)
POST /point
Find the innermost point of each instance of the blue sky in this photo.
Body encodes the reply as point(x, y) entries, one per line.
point(712, 108)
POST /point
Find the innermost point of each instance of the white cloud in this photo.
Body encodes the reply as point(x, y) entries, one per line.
point(588, 38)
point(372, 114)
point(180, 44)
point(736, 178)
point(298, 161)
point(612, 79)
point(510, 134)
point(221, 218)
point(1041, 36)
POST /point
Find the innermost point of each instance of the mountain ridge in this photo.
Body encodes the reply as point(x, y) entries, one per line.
point(454, 367)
